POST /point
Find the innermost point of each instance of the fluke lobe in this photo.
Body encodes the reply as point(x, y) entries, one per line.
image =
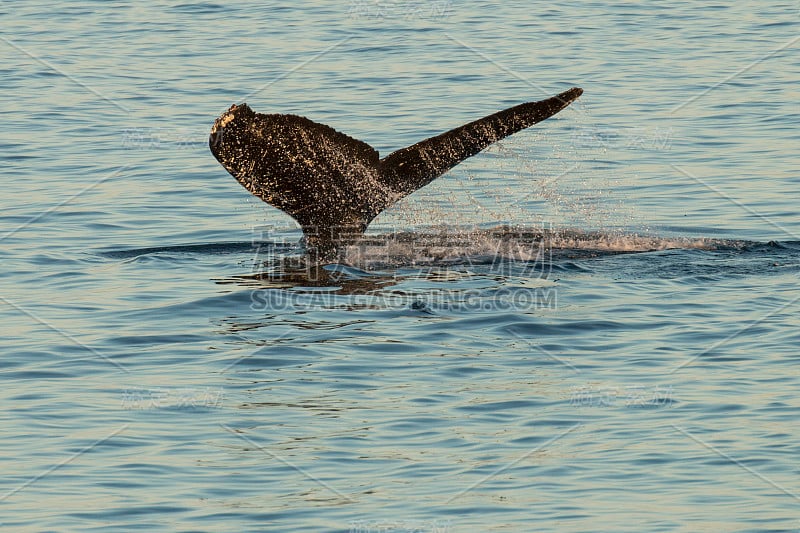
point(334, 185)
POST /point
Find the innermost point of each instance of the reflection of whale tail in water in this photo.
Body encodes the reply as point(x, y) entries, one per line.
point(334, 185)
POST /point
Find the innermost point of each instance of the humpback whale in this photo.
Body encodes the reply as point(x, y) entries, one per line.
point(335, 185)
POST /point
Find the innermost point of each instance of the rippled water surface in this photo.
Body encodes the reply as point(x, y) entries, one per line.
point(591, 326)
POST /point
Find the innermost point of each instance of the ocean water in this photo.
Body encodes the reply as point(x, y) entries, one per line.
point(591, 326)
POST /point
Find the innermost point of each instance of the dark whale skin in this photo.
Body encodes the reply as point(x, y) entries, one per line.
point(335, 185)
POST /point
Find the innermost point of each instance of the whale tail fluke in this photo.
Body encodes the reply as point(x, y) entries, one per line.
point(335, 185)
point(412, 168)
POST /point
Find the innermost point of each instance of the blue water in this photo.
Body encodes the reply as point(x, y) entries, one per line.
point(589, 327)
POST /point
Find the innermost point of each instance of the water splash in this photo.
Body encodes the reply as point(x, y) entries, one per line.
point(451, 244)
